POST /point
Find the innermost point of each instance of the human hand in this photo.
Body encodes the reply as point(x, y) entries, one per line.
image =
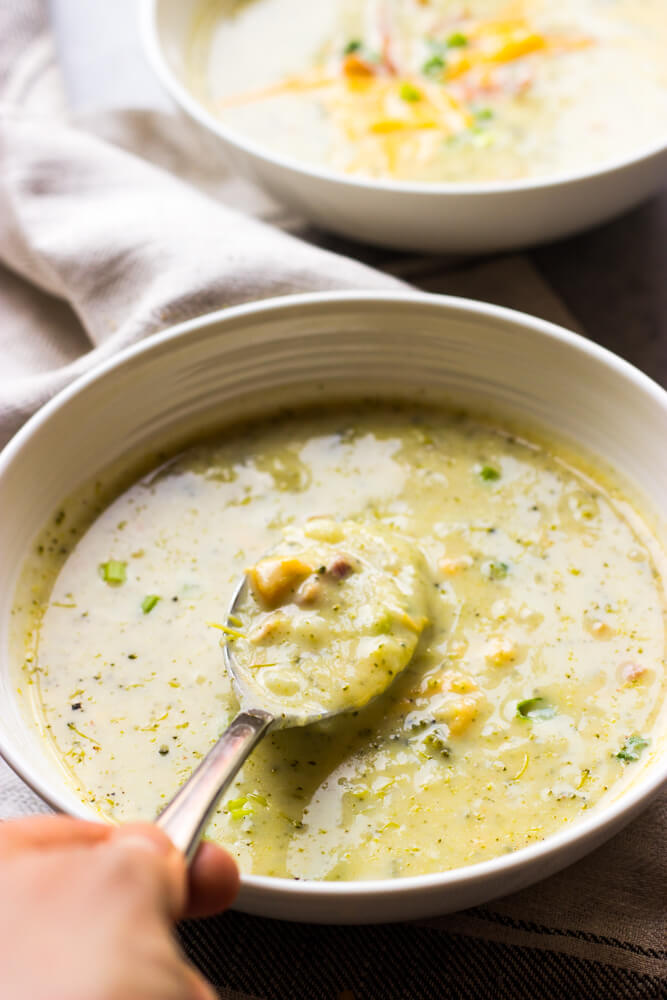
point(86, 910)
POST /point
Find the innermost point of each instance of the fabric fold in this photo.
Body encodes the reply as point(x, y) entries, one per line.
point(132, 248)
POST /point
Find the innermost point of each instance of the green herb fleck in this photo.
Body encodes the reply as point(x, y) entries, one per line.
point(535, 709)
point(237, 803)
point(113, 571)
point(241, 807)
point(417, 725)
point(352, 46)
point(457, 40)
point(434, 741)
point(434, 66)
point(409, 93)
point(384, 624)
point(240, 813)
point(238, 808)
point(497, 570)
point(489, 473)
point(149, 603)
point(632, 748)
point(484, 114)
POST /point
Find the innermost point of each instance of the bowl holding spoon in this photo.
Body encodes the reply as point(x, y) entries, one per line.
point(239, 363)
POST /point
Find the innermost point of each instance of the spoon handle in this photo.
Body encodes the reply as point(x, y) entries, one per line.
point(184, 819)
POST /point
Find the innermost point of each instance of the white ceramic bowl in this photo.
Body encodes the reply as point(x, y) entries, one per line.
point(312, 347)
point(436, 217)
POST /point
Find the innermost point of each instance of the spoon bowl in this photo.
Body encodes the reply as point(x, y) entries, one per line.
point(247, 694)
point(387, 576)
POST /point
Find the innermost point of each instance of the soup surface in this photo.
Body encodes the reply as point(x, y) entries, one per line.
point(537, 635)
point(436, 90)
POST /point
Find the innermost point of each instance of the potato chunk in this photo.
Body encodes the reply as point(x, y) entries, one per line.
point(274, 578)
point(457, 702)
point(459, 711)
point(501, 650)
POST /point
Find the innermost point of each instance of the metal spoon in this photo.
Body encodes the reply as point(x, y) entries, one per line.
point(186, 816)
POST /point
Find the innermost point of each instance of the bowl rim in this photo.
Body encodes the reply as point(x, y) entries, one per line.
point(181, 95)
point(600, 820)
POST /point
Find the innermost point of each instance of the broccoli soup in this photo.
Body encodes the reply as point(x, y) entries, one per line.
point(330, 621)
point(436, 90)
point(495, 605)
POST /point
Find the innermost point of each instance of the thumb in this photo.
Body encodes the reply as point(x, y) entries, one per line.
point(199, 988)
point(156, 854)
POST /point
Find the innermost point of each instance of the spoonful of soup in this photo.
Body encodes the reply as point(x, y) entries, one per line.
point(322, 625)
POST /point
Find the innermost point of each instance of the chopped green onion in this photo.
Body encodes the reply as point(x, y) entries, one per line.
point(632, 748)
point(352, 46)
point(240, 813)
point(535, 709)
point(149, 603)
point(484, 114)
point(489, 473)
point(238, 808)
point(409, 93)
point(434, 66)
point(113, 571)
point(457, 40)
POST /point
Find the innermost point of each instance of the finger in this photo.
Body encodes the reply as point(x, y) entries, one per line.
point(213, 881)
point(198, 988)
point(51, 831)
point(159, 859)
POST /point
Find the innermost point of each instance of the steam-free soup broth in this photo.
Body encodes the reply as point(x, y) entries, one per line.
point(521, 587)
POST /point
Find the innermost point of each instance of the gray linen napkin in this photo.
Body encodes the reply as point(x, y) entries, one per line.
point(114, 225)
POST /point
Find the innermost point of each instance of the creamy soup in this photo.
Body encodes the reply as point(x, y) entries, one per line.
point(436, 90)
point(527, 590)
point(330, 620)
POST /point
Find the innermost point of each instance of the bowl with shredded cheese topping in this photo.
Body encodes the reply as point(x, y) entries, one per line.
point(428, 124)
